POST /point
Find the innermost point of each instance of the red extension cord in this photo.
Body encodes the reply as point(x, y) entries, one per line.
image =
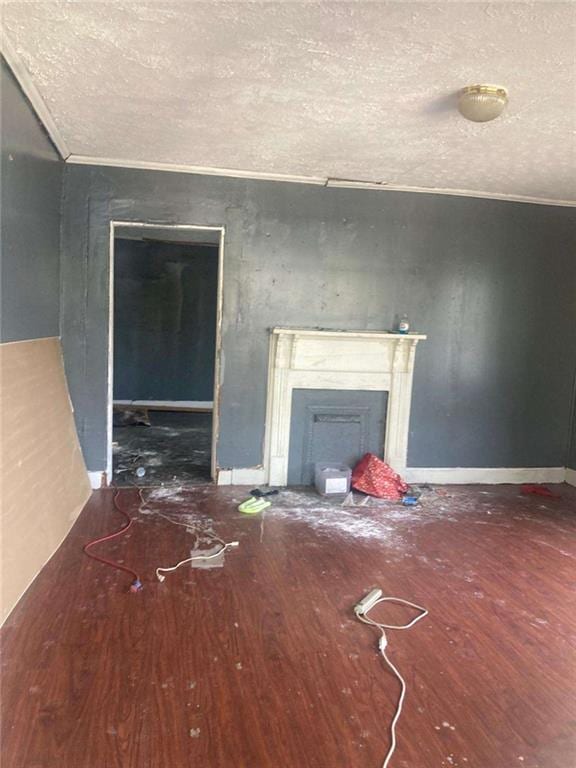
point(136, 585)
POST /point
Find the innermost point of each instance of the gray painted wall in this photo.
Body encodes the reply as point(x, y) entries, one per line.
point(571, 459)
point(493, 284)
point(165, 299)
point(31, 193)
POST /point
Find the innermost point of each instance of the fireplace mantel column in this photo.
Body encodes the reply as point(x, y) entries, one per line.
point(400, 399)
point(281, 408)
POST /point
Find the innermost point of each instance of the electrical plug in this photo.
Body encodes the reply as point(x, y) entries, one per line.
point(136, 586)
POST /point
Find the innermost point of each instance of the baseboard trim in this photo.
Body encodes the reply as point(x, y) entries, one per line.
point(488, 475)
point(97, 480)
point(168, 405)
point(436, 475)
point(242, 476)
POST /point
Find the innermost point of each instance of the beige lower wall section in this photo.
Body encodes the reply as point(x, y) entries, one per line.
point(43, 480)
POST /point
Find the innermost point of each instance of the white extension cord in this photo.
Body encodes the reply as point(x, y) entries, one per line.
point(225, 546)
point(361, 610)
point(189, 527)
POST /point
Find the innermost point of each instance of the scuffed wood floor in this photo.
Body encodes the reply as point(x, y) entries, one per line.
point(261, 664)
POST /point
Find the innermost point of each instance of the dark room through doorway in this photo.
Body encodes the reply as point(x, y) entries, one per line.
point(165, 318)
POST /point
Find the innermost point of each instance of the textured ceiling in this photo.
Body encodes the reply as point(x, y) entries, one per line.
point(359, 90)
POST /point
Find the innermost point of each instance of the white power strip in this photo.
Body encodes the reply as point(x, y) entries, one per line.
point(361, 610)
point(161, 571)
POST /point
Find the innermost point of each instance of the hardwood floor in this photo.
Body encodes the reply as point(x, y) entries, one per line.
point(261, 664)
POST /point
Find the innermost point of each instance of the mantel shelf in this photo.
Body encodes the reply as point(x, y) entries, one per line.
point(355, 334)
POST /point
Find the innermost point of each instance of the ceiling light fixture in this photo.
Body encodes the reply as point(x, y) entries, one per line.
point(481, 103)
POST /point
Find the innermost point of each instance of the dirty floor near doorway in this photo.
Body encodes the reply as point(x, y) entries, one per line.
point(261, 663)
point(176, 447)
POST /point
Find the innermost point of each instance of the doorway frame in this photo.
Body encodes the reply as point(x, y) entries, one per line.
point(152, 225)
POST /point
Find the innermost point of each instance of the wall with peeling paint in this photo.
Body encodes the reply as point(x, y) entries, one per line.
point(165, 298)
point(492, 284)
point(31, 191)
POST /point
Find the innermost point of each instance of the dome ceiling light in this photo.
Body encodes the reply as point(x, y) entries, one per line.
point(481, 103)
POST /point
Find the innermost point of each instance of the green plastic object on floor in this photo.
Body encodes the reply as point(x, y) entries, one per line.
point(253, 505)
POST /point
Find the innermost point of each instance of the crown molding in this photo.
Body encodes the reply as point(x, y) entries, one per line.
point(351, 184)
point(33, 95)
point(202, 170)
point(116, 162)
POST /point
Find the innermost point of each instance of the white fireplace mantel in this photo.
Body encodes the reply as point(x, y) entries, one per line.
point(323, 359)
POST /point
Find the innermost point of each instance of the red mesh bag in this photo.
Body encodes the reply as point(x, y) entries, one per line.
point(373, 476)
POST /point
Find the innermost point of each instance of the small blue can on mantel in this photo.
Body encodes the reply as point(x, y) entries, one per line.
point(403, 324)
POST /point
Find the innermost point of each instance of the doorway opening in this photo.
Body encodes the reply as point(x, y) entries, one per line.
point(165, 318)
